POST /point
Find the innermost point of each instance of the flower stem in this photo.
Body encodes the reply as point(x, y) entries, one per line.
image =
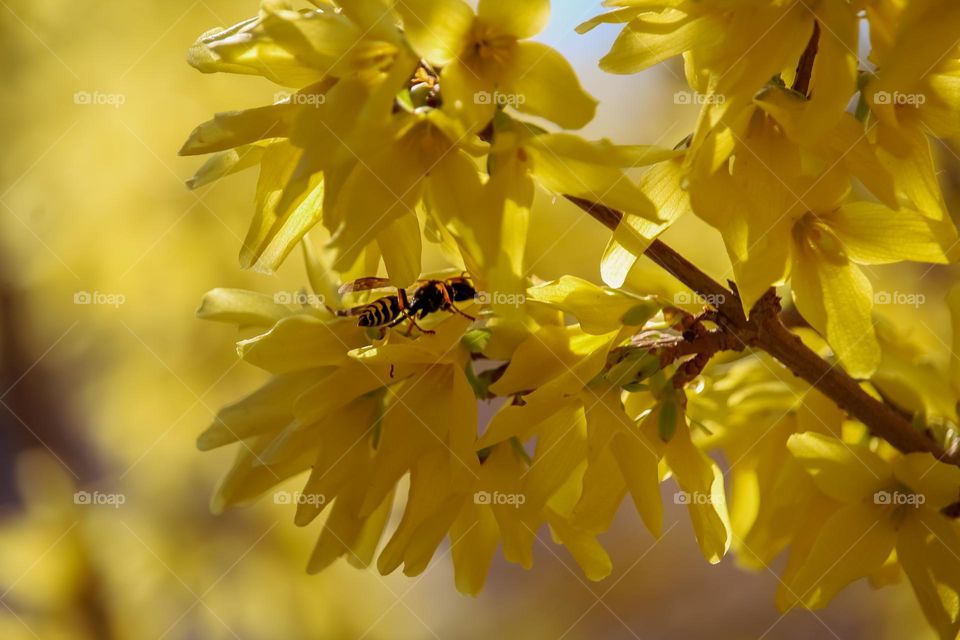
point(764, 329)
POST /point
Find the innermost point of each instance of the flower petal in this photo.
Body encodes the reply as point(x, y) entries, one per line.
point(653, 38)
point(662, 185)
point(939, 482)
point(436, 29)
point(401, 249)
point(702, 480)
point(269, 408)
point(474, 537)
point(837, 300)
point(301, 342)
point(599, 310)
point(852, 544)
point(562, 163)
point(873, 234)
point(245, 308)
point(235, 128)
point(927, 549)
point(519, 19)
point(544, 84)
point(845, 472)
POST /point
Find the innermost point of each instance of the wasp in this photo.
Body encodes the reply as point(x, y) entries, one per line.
point(429, 296)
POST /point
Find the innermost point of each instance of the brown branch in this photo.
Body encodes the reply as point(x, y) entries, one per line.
point(801, 81)
point(765, 330)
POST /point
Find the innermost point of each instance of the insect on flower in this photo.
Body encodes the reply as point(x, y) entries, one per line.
point(429, 296)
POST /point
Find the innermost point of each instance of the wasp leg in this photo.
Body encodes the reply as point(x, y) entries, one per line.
point(453, 309)
point(410, 326)
point(413, 323)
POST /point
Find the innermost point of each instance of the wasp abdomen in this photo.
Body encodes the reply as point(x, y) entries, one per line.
point(380, 312)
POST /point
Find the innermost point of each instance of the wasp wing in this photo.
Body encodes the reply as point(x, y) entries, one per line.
point(363, 284)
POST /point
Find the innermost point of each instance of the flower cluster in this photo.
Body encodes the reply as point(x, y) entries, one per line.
point(406, 123)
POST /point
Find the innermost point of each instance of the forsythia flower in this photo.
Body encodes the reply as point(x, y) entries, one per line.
point(884, 506)
point(486, 58)
point(771, 168)
point(405, 124)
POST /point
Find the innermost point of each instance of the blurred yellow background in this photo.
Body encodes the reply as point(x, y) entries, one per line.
point(107, 377)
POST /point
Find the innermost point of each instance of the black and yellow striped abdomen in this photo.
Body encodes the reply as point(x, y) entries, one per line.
point(380, 312)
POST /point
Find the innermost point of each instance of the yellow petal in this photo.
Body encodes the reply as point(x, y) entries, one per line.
point(400, 247)
point(638, 459)
point(245, 308)
point(519, 19)
point(915, 174)
point(603, 491)
point(537, 360)
point(474, 536)
point(236, 128)
point(852, 544)
point(501, 472)
point(540, 82)
point(953, 302)
point(244, 48)
point(250, 477)
point(432, 506)
point(927, 549)
point(589, 554)
point(347, 382)
point(701, 480)
point(436, 29)
point(285, 231)
point(662, 184)
point(834, 78)
point(465, 92)
point(228, 162)
point(599, 310)
point(845, 472)
point(301, 342)
point(269, 408)
point(379, 190)
point(519, 421)
point(873, 234)
point(345, 451)
point(561, 447)
point(939, 482)
point(652, 38)
point(837, 300)
point(562, 163)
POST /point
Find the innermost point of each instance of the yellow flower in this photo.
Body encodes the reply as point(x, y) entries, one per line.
point(914, 88)
point(487, 60)
point(914, 92)
point(781, 223)
point(298, 48)
point(885, 506)
point(586, 426)
point(750, 409)
point(732, 48)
